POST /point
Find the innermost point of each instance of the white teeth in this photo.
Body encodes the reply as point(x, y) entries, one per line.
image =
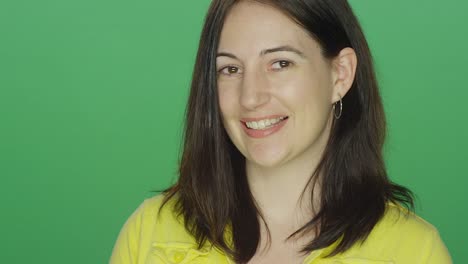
point(261, 124)
point(264, 124)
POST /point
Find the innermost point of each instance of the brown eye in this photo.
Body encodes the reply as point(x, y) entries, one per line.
point(281, 64)
point(229, 70)
point(232, 70)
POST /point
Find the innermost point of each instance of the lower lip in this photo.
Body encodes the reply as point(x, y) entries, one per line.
point(255, 133)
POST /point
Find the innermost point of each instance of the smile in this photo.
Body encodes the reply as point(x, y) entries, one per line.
point(259, 128)
point(264, 124)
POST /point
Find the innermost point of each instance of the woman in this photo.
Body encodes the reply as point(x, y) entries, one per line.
point(282, 161)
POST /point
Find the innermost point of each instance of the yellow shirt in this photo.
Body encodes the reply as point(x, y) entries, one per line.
point(398, 239)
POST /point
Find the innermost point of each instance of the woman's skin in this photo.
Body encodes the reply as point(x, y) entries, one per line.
point(269, 67)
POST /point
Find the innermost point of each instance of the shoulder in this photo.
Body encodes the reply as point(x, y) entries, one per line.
point(154, 233)
point(148, 216)
point(151, 206)
point(398, 218)
point(163, 219)
point(402, 236)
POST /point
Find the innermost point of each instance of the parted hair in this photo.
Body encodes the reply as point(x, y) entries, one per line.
point(212, 193)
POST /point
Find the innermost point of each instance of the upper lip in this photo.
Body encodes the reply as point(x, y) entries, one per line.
point(255, 119)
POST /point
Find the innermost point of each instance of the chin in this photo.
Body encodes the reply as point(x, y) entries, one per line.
point(264, 155)
point(266, 161)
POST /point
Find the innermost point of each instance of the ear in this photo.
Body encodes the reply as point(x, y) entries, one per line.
point(343, 72)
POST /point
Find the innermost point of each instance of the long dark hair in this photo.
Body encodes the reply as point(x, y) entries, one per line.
point(212, 193)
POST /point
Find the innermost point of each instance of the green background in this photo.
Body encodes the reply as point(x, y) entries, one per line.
point(92, 95)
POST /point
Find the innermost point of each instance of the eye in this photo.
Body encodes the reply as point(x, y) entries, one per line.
point(229, 70)
point(279, 65)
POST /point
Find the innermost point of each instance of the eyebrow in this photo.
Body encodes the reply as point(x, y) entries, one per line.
point(267, 51)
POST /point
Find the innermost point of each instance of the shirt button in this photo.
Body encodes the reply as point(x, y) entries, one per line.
point(178, 257)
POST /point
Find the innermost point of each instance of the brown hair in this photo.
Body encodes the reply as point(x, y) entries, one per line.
point(212, 192)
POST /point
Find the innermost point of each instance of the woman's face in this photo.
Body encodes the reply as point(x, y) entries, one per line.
point(275, 88)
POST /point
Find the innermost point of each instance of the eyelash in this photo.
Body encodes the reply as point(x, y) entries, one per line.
point(289, 63)
point(227, 67)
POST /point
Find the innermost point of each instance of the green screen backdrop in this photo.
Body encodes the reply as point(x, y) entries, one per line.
point(92, 96)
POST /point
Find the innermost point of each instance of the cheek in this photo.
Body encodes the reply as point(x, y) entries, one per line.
point(227, 101)
point(304, 92)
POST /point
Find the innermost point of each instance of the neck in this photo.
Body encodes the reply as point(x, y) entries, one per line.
point(277, 190)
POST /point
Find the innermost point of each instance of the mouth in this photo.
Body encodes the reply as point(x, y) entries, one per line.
point(263, 124)
point(263, 127)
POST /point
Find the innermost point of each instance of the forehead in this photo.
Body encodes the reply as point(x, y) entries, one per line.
point(253, 26)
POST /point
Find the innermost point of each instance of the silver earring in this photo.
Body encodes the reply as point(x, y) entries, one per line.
point(341, 109)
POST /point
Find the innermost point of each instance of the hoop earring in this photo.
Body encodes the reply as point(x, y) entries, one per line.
point(341, 108)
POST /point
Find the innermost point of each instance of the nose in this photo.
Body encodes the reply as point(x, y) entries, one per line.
point(254, 90)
